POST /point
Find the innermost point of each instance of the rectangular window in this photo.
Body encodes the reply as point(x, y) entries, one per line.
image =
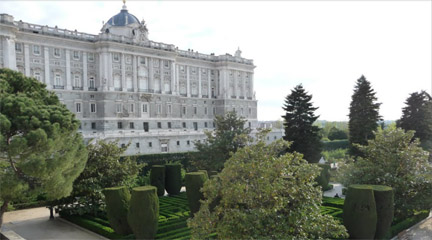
point(178, 143)
point(36, 50)
point(37, 75)
point(169, 109)
point(131, 125)
point(249, 124)
point(166, 63)
point(184, 124)
point(250, 110)
point(142, 60)
point(188, 142)
point(205, 124)
point(92, 82)
point(214, 111)
point(195, 110)
point(195, 125)
point(146, 126)
point(145, 108)
point(119, 125)
point(78, 107)
point(205, 110)
point(169, 124)
point(128, 59)
point(56, 52)
point(77, 81)
point(58, 80)
point(119, 107)
point(131, 107)
point(137, 145)
point(76, 55)
point(18, 47)
point(92, 107)
point(93, 125)
point(159, 125)
point(90, 57)
point(159, 108)
point(116, 57)
point(150, 144)
point(184, 110)
point(164, 147)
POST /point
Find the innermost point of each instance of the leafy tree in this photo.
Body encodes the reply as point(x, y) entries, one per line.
point(105, 168)
point(417, 116)
point(363, 116)
point(262, 195)
point(394, 160)
point(299, 128)
point(337, 134)
point(41, 151)
point(229, 135)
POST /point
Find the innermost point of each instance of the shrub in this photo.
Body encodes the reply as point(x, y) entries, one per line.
point(144, 212)
point(157, 178)
point(205, 173)
point(324, 178)
point(194, 183)
point(117, 206)
point(385, 210)
point(408, 222)
point(360, 217)
point(173, 182)
point(93, 226)
point(335, 144)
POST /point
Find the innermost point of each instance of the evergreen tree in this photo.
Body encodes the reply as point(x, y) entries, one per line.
point(417, 116)
point(299, 118)
point(363, 116)
point(41, 152)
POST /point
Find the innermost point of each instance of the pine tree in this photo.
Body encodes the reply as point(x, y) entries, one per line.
point(299, 118)
point(417, 116)
point(363, 116)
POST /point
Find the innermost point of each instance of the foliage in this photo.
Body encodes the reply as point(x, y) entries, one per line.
point(194, 182)
point(103, 170)
point(360, 215)
point(337, 134)
point(163, 158)
point(326, 126)
point(332, 156)
point(384, 199)
point(143, 212)
point(93, 226)
point(299, 128)
point(363, 116)
point(262, 195)
point(173, 178)
point(417, 116)
point(229, 135)
point(117, 207)
point(41, 151)
point(408, 222)
point(323, 178)
point(394, 160)
point(335, 144)
point(157, 178)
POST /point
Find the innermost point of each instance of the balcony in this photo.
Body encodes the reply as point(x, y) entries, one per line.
point(157, 91)
point(77, 88)
point(194, 95)
point(242, 97)
point(130, 90)
point(117, 89)
point(58, 87)
point(204, 96)
point(145, 90)
point(234, 97)
point(250, 98)
point(183, 94)
point(92, 89)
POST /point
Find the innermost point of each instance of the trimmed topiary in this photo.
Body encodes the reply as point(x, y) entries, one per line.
point(385, 210)
point(194, 182)
point(205, 173)
point(144, 212)
point(324, 178)
point(173, 182)
point(359, 212)
point(157, 178)
point(213, 173)
point(117, 207)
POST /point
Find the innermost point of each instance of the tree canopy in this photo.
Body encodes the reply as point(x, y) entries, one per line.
point(262, 195)
point(229, 135)
point(299, 119)
point(417, 116)
point(337, 134)
point(363, 115)
point(41, 151)
point(394, 160)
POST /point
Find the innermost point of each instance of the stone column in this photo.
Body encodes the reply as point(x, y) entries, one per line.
point(173, 78)
point(223, 79)
point(110, 72)
point(47, 68)
point(150, 77)
point(235, 76)
point(135, 73)
point(85, 77)
point(27, 59)
point(209, 83)
point(187, 82)
point(123, 73)
point(199, 83)
point(244, 85)
point(161, 76)
point(252, 86)
point(68, 71)
point(103, 71)
point(9, 55)
point(177, 80)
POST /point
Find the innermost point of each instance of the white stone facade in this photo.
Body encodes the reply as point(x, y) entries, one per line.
point(123, 86)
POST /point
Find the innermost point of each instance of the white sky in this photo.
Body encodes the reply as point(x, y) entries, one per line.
point(325, 45)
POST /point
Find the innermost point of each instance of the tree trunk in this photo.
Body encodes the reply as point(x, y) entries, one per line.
point(2, 211)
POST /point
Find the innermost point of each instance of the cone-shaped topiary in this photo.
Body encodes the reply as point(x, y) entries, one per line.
point(117, 207)
point(144, 212)
point(173, 182)
point(157, 178)
point(385, 210)
point(324, 178)
point(359, 213)
point(194, 181)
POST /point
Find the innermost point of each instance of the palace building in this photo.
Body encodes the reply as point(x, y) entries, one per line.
point(121, 85)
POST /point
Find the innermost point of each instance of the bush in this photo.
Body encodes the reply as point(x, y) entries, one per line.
point(324, 178)
point(93, 226)
point(157, 178)
point(408, 222)
point(117, 206)
point(173, 182)
point(336, 144)
point(205, 173)
point(360, 216)
point(385, 210)
point(194, 183)
point(144, 212)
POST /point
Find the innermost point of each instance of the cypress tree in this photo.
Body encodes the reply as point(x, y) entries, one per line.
point(417, 116)
point(363, 116)
point(299, 118)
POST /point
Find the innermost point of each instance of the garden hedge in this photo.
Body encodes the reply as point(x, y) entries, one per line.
point(143, 213)
point(359, 212)
point(157, 178)
point(324, 178)
point(117, 206)
point(194, 183)
point(173, 181)
point(385, 210)
point(205, 173)
point(335, 144)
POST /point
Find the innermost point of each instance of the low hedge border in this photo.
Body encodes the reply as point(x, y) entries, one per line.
point(408, 222)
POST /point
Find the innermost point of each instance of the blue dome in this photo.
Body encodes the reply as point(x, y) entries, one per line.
point(122, 19)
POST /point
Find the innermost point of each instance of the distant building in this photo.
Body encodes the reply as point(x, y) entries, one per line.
point(121, 85)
